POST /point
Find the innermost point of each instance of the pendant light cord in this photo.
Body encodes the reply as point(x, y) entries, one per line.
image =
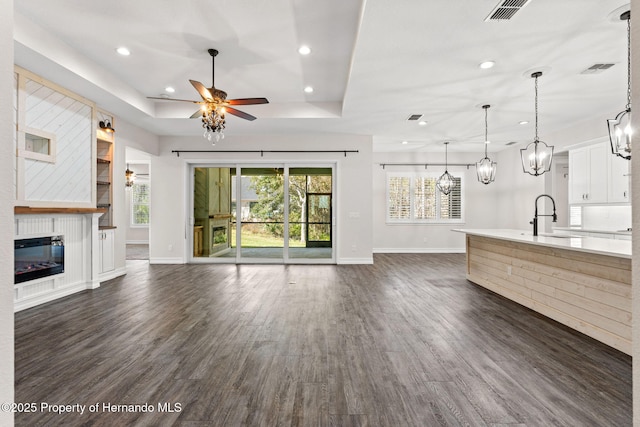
point(486, 130)
point(446, 157)
point(536, 109)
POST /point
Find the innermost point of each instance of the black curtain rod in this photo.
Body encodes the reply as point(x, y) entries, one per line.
point(468, 165)
point(264, 151)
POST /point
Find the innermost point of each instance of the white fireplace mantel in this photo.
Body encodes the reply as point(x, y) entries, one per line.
point(79, 226)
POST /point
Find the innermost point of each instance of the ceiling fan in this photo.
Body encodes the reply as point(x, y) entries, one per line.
point(215, 104)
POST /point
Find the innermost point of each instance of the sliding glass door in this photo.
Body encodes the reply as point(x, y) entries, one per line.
point(240, 214)
point(261, 222)
point(310, 213)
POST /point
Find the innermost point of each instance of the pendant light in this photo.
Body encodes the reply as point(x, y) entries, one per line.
point(446, 182)
point(485, 168)
point(620, 127)
point(536, 158)
point(129, 176)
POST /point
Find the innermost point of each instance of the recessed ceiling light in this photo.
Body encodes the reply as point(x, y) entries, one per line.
point(487, 64)
point(304, 50)
point(308, 89)
point(422, 122)
point(524, 122)
point(405, 142)
point(123, 51)
point(169, 89)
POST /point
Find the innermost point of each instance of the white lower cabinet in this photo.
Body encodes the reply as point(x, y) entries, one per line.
point(107, 250)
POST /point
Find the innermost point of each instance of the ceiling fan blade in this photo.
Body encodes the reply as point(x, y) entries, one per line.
point(174, 99)
point(240, 114)
point(202, 90)
point(247, 101)
point(196, 114)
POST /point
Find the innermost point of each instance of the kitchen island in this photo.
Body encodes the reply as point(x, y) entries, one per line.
point(581, 282)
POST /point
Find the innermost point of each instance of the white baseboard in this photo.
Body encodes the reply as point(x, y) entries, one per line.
point(137, 242)
point(355, 260)
point(50, 296)
point(158, 260)
point(112, 274)
point(419, 250)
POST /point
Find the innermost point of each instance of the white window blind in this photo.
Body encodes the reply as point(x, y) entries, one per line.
point(414, 198)
point(140, 192)
point(399, 198)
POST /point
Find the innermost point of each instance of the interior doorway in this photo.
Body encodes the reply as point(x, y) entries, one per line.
point(137, 204)
point(239, 213)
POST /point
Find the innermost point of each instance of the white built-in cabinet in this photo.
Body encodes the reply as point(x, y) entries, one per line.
point(106, 239)
point(619, 180)
point(104, 195)
point(596, 176)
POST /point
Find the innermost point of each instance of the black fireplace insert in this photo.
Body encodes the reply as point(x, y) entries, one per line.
point(38, 257)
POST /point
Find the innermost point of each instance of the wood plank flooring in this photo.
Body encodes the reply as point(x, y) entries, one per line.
point(404, 342)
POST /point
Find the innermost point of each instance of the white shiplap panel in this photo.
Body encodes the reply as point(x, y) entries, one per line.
point(69, 178)
point(34, 225)
point(35, 288)
point(72, 229)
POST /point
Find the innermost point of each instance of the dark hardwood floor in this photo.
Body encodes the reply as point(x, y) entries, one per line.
point(404, 342)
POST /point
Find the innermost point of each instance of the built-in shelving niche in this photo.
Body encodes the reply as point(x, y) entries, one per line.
point(104, 169)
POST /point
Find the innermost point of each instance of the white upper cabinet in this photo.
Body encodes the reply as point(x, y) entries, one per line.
point(589, 174)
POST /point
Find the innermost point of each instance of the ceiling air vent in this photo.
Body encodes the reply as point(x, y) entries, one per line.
point(597, 68)
point(414, 117)
point(506, 9)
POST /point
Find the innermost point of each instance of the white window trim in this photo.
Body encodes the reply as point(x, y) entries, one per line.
point(412, 220)
point(131, 215)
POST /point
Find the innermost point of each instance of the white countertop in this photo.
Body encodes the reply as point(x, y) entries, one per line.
point(594, 245)
point(593, 230)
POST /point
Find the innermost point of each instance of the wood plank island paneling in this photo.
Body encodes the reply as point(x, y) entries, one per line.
point(587, 292)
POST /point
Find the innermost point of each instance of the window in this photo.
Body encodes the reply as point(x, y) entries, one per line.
point(140, 204)
point(414, 198)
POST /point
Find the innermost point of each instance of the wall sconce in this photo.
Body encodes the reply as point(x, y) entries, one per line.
point(130, 177)
point(105, 125)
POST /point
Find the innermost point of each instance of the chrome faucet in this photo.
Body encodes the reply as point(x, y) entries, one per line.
point(535, 217)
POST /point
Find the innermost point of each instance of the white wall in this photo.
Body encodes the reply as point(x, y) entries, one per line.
point(168, 230)
point(7, 159)
point(480, 204)
point(635, 201)
point(127, 136)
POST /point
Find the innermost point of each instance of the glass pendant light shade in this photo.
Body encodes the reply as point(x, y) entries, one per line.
point(485, 168)
point(620, 127)
point(537, 157)
point(446, 182)
point(129, 176)
point(620, 134)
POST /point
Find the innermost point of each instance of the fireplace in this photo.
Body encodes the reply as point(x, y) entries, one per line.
point(38, 257)
point(219, 236)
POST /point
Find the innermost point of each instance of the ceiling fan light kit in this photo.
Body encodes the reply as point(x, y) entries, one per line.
point(215, 105)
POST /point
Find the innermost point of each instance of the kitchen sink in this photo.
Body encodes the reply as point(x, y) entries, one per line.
point(557, 236)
